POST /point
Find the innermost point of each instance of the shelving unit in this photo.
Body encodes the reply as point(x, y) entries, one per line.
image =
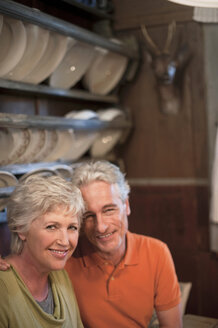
point(49, 91)
point(34, 16)
point(51, 122)
point(37, 17)
point(91, 10)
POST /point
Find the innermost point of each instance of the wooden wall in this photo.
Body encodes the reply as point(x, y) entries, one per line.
point(166, 156)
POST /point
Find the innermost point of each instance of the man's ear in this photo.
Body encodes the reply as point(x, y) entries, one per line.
point(128, 211)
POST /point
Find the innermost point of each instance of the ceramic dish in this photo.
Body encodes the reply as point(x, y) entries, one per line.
point(37, 140)
point(105, 72)
point(19, 141)
point(51, 139)
point(7, 179)
point(82, 140)
point(54, 53)
point(37, 39)
point(45, 172)
point(13, 43)
point(63, 144)
point(65, 171)
point(73, 66)
point(6, 145)
point(108, 138)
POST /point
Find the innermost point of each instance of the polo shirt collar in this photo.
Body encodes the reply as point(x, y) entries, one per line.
point(91, 258)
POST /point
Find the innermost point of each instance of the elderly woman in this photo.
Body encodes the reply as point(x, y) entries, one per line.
point(44, 220)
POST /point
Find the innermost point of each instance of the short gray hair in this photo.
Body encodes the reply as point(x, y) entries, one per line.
point(90, 171)
point(35, 197)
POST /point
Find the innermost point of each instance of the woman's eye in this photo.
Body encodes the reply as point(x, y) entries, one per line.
point(50, 227)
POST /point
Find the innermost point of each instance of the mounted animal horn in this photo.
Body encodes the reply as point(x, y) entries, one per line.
point(168, 69)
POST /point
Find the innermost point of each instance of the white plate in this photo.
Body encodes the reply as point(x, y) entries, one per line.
point(42, 172)
point(37, 140)
point(105, 72)
point(7, 179)
point(37, 39)
point(6, 145)
point(82, 140)
point(51, 139)
point(63, 144)
point(108, 138)
point(13, 43)
point(54, 53)
point(20, 141)
point(73, 66)
point(65, 171)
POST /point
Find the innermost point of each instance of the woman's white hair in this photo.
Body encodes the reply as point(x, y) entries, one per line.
point(35, 197)
point(87, 172)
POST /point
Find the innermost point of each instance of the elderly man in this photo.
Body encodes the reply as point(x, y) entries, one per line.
point(119, 277)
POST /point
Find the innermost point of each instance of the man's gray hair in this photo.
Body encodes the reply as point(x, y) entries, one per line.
point(35, 197)
point(87, 172)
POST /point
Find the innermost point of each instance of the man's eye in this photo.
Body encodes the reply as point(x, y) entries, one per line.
point(88, 216)
point(73, 227)
point(109, 211)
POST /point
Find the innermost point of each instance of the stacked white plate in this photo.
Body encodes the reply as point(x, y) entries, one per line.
point(107, 139)
point(56, 48)
point(73, 66)
point(12, 43)
point(37, 39)
point(51, 138)
point(105, 73)
point(42, 172)
point(82, 140)
point(36, 143)
point(13, 144)
point(62, 146)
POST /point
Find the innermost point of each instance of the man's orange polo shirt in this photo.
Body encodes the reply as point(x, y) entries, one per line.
point(125, 296)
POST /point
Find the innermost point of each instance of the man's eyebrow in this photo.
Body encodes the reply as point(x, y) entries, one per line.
point(109, 205)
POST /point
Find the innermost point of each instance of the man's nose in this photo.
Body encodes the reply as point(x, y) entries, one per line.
point(101, 223)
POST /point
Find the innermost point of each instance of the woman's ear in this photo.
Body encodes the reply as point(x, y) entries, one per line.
point(22, 236)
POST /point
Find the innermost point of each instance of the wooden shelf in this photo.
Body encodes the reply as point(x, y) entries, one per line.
point(42, 89)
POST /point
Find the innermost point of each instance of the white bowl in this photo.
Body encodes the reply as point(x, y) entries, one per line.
point(54, 53)
point(13, 43)
point(82, 140)
point(105, 72)
point(107, 139)
point(7, 179)
point(73, 66)
point(37, 39)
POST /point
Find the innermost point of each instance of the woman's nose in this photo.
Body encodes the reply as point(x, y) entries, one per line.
point(63, 237)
